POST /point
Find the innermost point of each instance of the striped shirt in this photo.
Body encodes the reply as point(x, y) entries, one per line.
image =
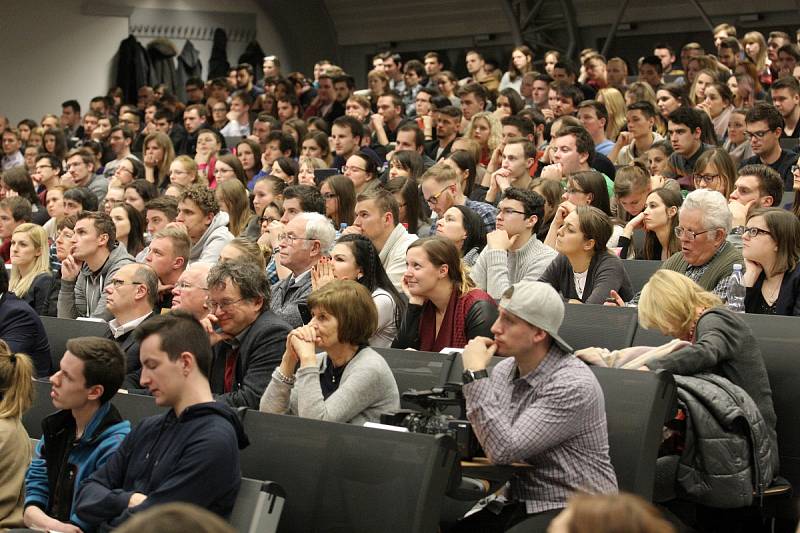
point(553, 419)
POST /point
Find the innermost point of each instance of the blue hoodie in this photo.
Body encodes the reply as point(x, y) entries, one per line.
point(61, 464)
point(191, 458)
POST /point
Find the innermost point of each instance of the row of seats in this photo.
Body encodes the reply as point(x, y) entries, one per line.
point(637, 404)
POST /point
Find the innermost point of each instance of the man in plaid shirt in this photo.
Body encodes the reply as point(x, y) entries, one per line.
point(540, 406)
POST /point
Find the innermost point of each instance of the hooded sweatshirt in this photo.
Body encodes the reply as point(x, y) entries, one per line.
point(192, 458)
point(86, 296)
point(61, 463)
point(207, 249)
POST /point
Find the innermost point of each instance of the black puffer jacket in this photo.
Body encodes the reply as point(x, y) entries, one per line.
point(728, 455)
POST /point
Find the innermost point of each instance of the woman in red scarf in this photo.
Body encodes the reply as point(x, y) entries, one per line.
point(445, 310)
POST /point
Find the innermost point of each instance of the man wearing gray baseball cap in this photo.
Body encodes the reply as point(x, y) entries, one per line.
point(541, 406)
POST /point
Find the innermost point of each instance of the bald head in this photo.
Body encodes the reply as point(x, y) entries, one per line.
point(191, 291)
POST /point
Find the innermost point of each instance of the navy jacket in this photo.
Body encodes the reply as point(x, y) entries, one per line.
point(191, 458)
point(24, 332)
point(788, 302)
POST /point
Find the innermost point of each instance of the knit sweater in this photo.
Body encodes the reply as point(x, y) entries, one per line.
point(497, 270)
point(367, 389)
point(720, 267)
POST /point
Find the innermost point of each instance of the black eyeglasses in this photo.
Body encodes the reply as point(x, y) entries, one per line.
point(757, 134)
point(754, 232)
point(269, 220)
point(117, 283)
point(690, 235)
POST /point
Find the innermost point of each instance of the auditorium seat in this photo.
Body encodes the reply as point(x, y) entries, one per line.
point(417, 370)
point(637, 406)
point(588, 325)
point(777, 337)
point(60, 330)
point(42, 406)
point(258, 507)
point(639, 272)
point(341, 477)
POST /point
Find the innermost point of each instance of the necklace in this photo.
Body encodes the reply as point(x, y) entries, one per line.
point(771, 296)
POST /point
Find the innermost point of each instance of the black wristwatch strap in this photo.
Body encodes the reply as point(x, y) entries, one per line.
point(469, 376)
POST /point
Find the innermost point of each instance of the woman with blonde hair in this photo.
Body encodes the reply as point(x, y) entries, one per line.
point(444, 307)
point(233, 199)
point(16, 397)
point(306, 167)
point(158, 156)
point(755, 49)
point(31, 277)
point(615, 105)
point(328, 371)
point(184, 172)
point(487, 130)
point(721, 342)
point(697, 92)
point(378, 83)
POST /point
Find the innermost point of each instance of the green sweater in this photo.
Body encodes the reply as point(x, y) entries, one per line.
point(720, 267)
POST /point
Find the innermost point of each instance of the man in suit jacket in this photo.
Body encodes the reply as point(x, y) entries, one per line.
point(248, 338)
point(130, 297)
point(22, 329)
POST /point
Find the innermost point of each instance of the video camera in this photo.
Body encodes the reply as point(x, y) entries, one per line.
point(433, 420)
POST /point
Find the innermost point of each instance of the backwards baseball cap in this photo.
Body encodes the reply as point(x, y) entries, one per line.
point(539, 305)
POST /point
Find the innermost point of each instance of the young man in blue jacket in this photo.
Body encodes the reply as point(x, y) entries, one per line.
point(188, 454)
point(79, 438)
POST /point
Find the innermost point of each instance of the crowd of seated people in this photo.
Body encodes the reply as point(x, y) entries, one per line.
point(294, 224)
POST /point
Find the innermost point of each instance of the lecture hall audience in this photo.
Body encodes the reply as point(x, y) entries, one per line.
point(290, 229)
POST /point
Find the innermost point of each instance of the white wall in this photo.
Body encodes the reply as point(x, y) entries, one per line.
point(50, 52)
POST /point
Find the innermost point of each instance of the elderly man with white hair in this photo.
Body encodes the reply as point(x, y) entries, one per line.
point(706, 258)
point(307, 238)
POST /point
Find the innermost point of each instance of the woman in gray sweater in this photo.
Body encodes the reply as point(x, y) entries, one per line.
point(349, 381)
point(585, 271)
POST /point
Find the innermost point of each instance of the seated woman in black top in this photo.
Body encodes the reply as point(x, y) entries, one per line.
point(659, 219)
point(585, 271)
point(445, 310)
point(31, 277)
point(772, 262)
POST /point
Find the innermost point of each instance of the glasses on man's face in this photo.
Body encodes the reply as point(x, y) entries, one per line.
point(795, 169)
point(434, 199)
point(507, 211)
point(224, 305)
point(348, 168)
point(291, 238)
point(689, 234)
point(707, 179)
point(756, 134)
point(182, 285)
point(117, 283)
point(753, 232)
point(38, 169)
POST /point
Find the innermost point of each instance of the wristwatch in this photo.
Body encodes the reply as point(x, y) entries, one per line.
point(469, 376)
